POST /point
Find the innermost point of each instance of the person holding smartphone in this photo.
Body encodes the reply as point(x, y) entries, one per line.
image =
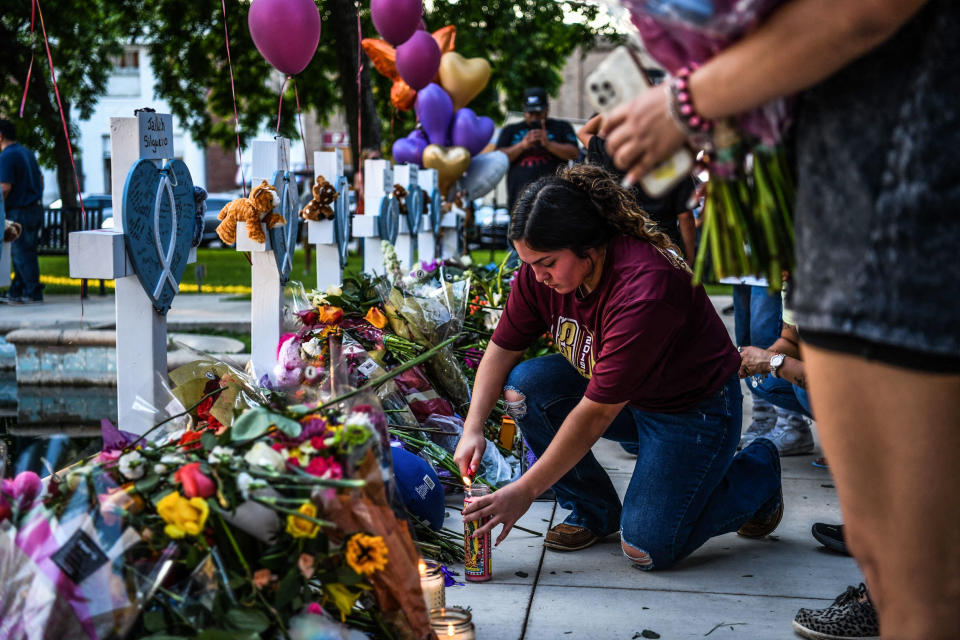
point(536, 147)
point(643, 359)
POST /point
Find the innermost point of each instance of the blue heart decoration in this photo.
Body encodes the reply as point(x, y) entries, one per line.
point(414, 202)
point(341, 219)
point(283, 237)
point(158, 225)
point(389, 219)
point(436, 211)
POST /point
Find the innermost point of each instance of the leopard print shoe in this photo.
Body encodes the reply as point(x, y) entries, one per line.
point(850, 617)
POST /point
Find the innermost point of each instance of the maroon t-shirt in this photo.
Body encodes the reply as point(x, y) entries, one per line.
point(643, 336)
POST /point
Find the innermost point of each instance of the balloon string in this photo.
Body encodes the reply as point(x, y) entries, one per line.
point(26, 84)
point(233, 91)
point(63, 118)
point(280, 106)
point(306, 156)
point(358, 166)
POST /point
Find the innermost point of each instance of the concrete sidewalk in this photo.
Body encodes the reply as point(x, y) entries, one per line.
point(732, 587)
point(189, 312)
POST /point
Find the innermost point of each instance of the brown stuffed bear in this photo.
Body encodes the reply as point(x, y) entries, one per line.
point(256, 209)
point(319, 207)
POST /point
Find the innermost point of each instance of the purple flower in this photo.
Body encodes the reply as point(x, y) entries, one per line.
point(448, 577)
point(430, 266)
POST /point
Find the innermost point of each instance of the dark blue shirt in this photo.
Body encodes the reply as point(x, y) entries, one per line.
point(18, 166)
point(536, 161)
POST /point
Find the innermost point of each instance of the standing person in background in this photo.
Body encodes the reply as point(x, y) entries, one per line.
point(21, 184)
point(671, 211)
point(874, 290)
point(537, 147)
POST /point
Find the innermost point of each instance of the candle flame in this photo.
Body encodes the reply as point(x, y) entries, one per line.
point(450, 630)
point(466, 481)
point(423, 567)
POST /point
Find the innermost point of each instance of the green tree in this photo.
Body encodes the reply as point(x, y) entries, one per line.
point(186, 42)
point(83, 37)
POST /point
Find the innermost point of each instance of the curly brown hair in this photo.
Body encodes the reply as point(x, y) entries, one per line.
point(584, 207)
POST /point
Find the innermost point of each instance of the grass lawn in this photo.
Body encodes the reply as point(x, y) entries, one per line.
point(228, 268)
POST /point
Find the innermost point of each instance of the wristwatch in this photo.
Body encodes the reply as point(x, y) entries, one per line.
point(776, 360)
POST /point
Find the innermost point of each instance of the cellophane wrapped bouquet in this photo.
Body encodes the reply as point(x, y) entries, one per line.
point(249, 514)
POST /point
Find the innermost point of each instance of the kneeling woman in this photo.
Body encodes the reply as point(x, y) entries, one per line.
point(644, 359)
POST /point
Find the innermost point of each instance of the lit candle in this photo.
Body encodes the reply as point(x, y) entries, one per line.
point(432, 585)
point(452, 623)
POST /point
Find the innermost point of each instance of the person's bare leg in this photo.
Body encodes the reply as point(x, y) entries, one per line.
point(892, 437)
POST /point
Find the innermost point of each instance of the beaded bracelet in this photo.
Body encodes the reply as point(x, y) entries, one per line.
point(681, 105)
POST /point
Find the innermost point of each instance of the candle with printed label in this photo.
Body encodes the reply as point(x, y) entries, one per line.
point(476, 563)
point(432, 585)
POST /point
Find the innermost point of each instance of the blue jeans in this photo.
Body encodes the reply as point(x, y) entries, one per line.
point(688, 484)
point(757, 316)
point(26, 268)
point(781, 393)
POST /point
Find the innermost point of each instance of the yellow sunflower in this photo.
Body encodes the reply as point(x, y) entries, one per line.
point(366, 554)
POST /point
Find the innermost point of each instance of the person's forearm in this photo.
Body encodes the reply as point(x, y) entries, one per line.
point(802, 43)
point(495, 365)
point(792, 371)
point(688, 233)
point(5, 188)
point(562, 150)
point(514, 152)
point(580, 430)
point(785, 347)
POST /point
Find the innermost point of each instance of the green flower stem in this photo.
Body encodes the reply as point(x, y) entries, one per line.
point(271, 503)
point(303, 479)
point(233, 543)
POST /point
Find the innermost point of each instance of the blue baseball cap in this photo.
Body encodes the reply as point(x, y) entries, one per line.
point(419, 487)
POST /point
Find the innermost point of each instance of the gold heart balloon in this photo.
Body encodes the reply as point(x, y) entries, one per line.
point(450, 163)
point(463, 78)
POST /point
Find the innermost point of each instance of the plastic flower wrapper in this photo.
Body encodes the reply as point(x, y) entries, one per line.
point(61, 567)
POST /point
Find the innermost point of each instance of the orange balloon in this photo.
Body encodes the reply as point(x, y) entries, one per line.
point(384, 58)
point(402, 95)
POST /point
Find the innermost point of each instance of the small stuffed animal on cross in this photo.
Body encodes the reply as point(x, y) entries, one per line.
point(319, 207)
point(254, 210)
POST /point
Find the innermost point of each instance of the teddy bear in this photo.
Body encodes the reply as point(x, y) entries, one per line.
point(289, 368)
point(256, 209)
point(319, 207)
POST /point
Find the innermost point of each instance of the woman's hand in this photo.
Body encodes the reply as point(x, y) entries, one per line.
point(754, 361)
point(642, 133)
point(503, 506)
point(469, 451)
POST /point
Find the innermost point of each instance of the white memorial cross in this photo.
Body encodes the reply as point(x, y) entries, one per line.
point(101, 254)
point(266, 295)
point(327, 235)
point(406, 175)
point(380, 219)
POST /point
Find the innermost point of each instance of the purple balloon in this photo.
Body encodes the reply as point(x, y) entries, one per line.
point(434, 110)
point(419, 134)
point(471, 131)
point(418, 60)
point(410, 149)
point(286, 32)
point(396, 20)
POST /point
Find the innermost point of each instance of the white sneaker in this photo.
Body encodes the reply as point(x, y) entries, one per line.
point(764, 419)
point(792, 436)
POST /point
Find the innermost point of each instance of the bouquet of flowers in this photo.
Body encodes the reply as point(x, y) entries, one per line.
point(245, 517)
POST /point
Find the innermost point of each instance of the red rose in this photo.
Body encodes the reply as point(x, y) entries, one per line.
point(195, 484)
point(189, 440)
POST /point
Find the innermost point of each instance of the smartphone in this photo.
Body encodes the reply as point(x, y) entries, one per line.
point(619, 78)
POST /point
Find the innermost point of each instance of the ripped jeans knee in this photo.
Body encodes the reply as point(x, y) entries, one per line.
point(637, 557)
point(516, 403)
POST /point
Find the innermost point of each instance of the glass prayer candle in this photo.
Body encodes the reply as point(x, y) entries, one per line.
point(452, 623)
point(432, 585)
point(477, 566)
